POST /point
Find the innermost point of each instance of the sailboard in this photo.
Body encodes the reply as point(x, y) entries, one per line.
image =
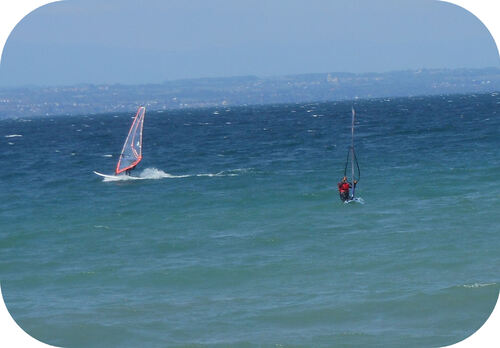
point(117, 177)
point(352, 164)
point(131, 153)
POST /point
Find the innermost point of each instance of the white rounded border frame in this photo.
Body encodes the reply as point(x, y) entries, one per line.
point(13, 11)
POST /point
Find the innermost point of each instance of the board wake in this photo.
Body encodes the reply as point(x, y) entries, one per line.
point(146, 174)
point(355, 200)
point(156, 174)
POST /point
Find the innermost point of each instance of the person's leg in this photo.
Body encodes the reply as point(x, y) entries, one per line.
point(344, 196)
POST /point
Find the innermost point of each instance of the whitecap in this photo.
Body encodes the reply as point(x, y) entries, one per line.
point(101, 226)
point(13, 136)
point(240, 170)
point(223, 173)
point(230, 172)
point(478, 285)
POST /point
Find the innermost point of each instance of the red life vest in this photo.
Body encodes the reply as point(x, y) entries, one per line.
point(343, 186)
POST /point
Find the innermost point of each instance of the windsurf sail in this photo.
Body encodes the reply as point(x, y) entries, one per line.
point(352, 161)
point(131, 153)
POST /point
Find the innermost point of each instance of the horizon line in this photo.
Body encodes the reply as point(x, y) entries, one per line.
point(262, 77)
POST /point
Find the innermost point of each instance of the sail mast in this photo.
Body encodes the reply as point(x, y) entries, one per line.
point(352, 151)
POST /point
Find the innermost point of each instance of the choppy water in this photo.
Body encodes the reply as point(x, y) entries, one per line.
point(237, 236)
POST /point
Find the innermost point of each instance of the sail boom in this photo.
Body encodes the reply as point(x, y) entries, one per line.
point(132, 165)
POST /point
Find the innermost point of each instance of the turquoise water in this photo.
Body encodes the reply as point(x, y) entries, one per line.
point(237, 237)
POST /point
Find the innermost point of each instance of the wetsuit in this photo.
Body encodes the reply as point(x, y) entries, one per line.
point(129, 170)
point(344, 190)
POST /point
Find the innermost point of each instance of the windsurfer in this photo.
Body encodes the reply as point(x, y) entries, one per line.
point(344, 187)
point(131, 153)
point(347, 189)
point(129, 170)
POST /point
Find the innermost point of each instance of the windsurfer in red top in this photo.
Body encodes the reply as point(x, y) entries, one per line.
point(344, 187)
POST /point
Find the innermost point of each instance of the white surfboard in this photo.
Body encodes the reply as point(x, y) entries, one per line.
point(117, 177)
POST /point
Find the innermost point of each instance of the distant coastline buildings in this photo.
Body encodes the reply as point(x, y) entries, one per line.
point(244, 90)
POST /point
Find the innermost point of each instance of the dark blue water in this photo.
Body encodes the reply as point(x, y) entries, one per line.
point(235, 236)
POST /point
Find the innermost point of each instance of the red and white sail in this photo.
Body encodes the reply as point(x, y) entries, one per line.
point(131, 153)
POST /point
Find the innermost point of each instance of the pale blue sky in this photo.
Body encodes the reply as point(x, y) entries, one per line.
point(120, 41)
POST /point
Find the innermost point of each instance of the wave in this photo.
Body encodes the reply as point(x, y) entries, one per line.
point(13, 136)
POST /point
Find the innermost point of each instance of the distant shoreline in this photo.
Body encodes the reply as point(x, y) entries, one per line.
point(243, 90)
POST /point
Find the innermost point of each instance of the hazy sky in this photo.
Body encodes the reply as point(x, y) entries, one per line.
point(132, 41)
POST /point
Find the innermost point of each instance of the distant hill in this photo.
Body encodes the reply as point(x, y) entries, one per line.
point(213, 92)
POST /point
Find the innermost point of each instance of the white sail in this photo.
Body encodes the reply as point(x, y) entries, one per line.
point(352, 160)
point(131, 153)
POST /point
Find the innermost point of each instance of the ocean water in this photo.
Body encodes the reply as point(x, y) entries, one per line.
point(236, 237)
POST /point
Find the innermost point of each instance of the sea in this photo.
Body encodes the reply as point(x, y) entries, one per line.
point(235, 235)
